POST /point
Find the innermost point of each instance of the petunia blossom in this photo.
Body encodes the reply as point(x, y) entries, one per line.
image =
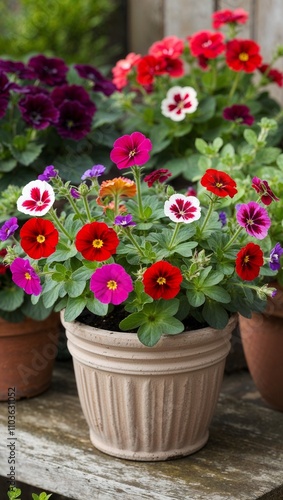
point(248, 262)
point(179, 101)
point(131, 150)
point(272, 74)
point(207, 44)
point(160, 175)
point(124, 220)
point(37, 198)
point(48, 173)
point(8, 228)
point(49, 70)
point(24, 275)
point(119, 186)
point(162, 280)
point(111, 284)
point(227, 16)
point(38, 111)
point(181, 208)
point(96, 241)
point(219, 183)
point(262, 187)
point(254, 219)
point(122, 69)
point(170, 46)
point(243, 55)
point(39, 238)
point(73, 122)
point(94, 171)
point(275, 256)
point(238, 113)
point(99, 82)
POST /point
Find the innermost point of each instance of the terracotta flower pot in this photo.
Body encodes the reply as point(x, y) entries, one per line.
point(27, 353)
point(262, 339)
point(148, 403)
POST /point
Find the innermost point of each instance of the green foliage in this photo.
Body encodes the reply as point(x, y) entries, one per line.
point(15, 494)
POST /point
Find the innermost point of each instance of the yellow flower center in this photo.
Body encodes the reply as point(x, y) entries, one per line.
point(97, 243)
point(250, 222)
point(40, 238)
point(246, 259)
point(27, 276)
point(219, 184)
point(161, 280)
point(244, 56)
point(132, 153)
point(112, 284)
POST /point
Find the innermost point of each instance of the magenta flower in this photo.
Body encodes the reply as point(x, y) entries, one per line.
point(181, 208)
point(178, 102)
point(124, 220)
point(37, 198)
point(48, 173)
point(74, 193)
point(8, 228)
point(74, 123)
point(262, 187)
point(160, 175)
point(275, 255)
point(100, 83)
point(49, 70)
point(254, 219)
point(238, 113)
point(17, 68)
point(38, 111)
point(131, 150)
point(24, 275)
point(94, 171)
point(111, 284)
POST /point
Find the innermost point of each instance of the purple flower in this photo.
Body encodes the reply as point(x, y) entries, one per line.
point(223, 218)
point(73, 93)
point(275, 255)
point(49, 70)
point(74, 123)
point(17, 68)
point(38, 111)
point(8, 228)
point(24, 275)
point(111, 284)
point(238, 113)
point(32, 89)
point(6, 85)
point(254, 219)
point(48, 173)
point(124, 220)
point(74, 193)
point(100, 83)
point(94, 171)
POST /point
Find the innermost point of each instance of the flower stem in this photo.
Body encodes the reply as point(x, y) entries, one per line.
point(176, 230)
point(88, 214)
point(133, 241)
point(58, 223)
point(234, 237)
point(137, 176)
point(234, 86)
point(208, 214)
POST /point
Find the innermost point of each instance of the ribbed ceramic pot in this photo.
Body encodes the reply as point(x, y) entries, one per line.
point(148, 403)
point(27, 353)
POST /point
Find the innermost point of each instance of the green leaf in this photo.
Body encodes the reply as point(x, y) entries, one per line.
point(51, 293)
point(7, 165)
point(11, 298)
point(215, 315)
point(201, 146)
point(29, 154)
point(74, 288)
point(96, 307)
point(217, 293)
point(74, 308)
point(250, 137)
point(14, 493)
point(63, 252)
point(195, 297)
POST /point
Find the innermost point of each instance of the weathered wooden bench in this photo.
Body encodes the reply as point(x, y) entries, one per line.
point(243, 459)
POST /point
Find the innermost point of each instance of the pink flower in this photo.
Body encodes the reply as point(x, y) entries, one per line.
point(170, 46)
point(178, 102)
point(207, 44)
point(181, 208)
point(237, 16)
point(111, 284)
point(262, 187)
point(254, 219)
point(123, 68)
point(160, 175)
point(131, 150)
point(24, 275)
point(37, 198)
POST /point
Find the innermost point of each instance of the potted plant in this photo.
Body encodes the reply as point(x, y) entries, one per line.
point(212, 83)
point(132, 255)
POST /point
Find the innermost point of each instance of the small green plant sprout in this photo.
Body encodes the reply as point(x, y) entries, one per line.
point(15, 494)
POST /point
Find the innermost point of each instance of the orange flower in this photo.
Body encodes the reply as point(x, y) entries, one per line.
point(120, 186)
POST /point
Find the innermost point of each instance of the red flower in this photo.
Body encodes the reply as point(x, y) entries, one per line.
point(248, 262)
point(148, 67)
point(3, 267)
point(39, 238)
point(226, 16)
point(162, 280)
point(96, 241)
point(170, 46)
point(219, 183)
point(207, 44)
point(262, 187)
point(273, 74)
point(243, 55)
point(160, 175)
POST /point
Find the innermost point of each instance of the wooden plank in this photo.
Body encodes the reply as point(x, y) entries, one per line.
point(53, 450)
point(145, 25)
point(185, 17)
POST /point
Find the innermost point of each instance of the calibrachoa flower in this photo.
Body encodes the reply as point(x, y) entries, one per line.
point(94, 171)
point(123, 68)
point(8, 228)
point(39, 238)
point(162, 280)
point(181, 208)
point(275, 256)
point(178, 102)
point(131, 150)
point(96, 241)
point(73, 122)
point(38, 111)
point(243, 55)
point(254, 219)
point(238, 113)
point(207, 44)
point(74, 193)
point(124, 220)
point(24, 275)
point(111, 284)
point(49, 70)
point(100, 83)
point(37, 198)
point(226, 16)
point(219, 183)
point(48, 173)
point(160, 175)
point(262, 187)
point(170, 47)
point(223, 218)
point(248, 262)
point(119, 186)
point(273, 74)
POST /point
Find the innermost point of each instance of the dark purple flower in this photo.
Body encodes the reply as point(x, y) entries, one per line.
point(8, 228)
point(49, 70)
point(17, 68)
point(32, 90)
point(100, 83)
point(4, 101)
point(73, 93)
point(262, 187)
point(223, 218)
point(74, 193)
point(48, 173)
point(275, 255)
point(238, 113)
point(74, 123)
point(160, 175)
point(94, 171)
point(6, 85)
point(38, 111)
point(124, 220)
